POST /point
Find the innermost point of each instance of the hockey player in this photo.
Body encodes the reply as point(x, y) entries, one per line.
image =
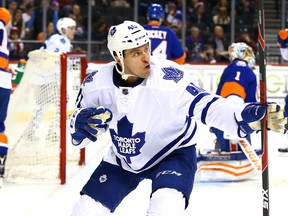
point(164, 41)
point(228, 162)
point(238, 82)
point(152, 110)
point(282, 38)
point(61, 42)
point(5, 88)
point(56, 43)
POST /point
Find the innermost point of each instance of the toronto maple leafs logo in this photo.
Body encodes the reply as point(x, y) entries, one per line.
point(62, 40)
point(113, 31)
point(89, 77)
point(127, 144)
point(172, 73)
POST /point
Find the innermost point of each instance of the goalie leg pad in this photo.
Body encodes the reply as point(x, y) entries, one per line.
point(166, 202)
point(89, 207)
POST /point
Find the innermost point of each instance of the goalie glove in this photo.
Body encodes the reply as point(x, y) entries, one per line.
point(89, 123)
point(254, 112)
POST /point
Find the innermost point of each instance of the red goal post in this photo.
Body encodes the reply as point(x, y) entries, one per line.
point(37, 119)
point(63, 107)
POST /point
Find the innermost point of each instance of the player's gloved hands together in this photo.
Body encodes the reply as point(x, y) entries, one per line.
point(89, 123)
point(254, 112)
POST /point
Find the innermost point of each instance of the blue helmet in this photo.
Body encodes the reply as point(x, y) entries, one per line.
point(155, 12)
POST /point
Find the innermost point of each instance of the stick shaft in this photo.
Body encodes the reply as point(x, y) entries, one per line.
point(263, 101)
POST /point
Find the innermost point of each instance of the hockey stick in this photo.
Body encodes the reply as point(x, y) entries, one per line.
point(263, 101)
point(250, 154)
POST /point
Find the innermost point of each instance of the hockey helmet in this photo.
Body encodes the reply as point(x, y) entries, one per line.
point(64, 23)
point(4, 16)
point(127, 35)
point(242, 51)
point(155, 12)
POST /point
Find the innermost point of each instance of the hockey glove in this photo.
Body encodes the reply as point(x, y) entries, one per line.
point(282, 38)
point(254, 112)
point(89, 123)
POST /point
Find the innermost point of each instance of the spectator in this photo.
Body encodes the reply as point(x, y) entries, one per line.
point(35, 25)
point(245, 12)
point(222, 18)
point(100, 31)
point(245, 37)
point(173, 16)
point(15, 44)
point(80, 28)
point(11, 7)
point(26, 15)
point(49, 32)
point(191, 6)
point(221, 3)
point(201, 18)
point(220, 44)
point(120, 3)
point(209, 54)
point(18, 22)
point(194, 45)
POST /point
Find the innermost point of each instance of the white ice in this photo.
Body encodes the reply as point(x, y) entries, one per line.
point(220, 199)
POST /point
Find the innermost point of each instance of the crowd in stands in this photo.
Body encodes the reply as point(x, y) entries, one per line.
point(207, 23)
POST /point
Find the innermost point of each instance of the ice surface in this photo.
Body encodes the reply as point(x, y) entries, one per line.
point(223, 199)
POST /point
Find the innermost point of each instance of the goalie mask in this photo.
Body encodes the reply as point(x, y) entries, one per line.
point(243, 52)
point(127, 35)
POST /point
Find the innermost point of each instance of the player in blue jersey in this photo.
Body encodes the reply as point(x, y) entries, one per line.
point(151, 109)
point(282, 43)
point(5, 87)
point(164, 41)
point(238, 82)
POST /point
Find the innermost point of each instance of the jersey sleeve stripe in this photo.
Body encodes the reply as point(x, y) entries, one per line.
point(205, 110)
point(195, 101)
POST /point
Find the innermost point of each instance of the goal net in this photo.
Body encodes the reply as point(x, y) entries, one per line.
point(37, 119)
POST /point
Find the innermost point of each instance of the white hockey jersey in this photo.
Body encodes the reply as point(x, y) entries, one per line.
point(5, 75)
point(57, 43)
point(156, 116)
point(284, 53)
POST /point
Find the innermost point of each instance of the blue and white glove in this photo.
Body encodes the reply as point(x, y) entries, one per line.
point(89, 123)
point(253, 113)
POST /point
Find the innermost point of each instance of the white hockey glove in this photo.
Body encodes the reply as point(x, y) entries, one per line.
point(254, 112)
point(89, 123)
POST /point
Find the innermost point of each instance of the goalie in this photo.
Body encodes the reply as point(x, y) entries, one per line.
point(238, 83)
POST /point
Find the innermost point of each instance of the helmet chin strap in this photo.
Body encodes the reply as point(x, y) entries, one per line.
point(121, 72)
